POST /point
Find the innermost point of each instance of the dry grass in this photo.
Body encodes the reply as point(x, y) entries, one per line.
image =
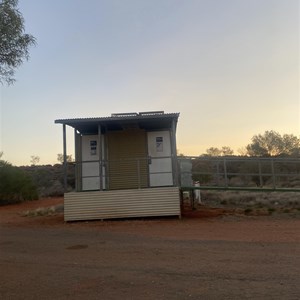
point(254, 203)
point(43, 211)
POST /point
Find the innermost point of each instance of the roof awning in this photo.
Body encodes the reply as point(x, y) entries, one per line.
point(144, 120)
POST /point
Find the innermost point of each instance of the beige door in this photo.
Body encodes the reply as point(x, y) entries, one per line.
point(127, 159)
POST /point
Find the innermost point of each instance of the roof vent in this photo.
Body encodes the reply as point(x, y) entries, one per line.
point(151, 113)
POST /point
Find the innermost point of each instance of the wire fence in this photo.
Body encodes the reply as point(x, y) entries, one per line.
point(239, 173)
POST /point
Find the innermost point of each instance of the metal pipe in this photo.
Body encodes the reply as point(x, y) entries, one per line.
point(220, 188)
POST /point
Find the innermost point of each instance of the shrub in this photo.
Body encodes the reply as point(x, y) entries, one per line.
point(49, 179)
point(15, 185)
point(271, 210)
point(247, 211)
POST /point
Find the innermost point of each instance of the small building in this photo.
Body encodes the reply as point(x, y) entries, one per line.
point(126, 166)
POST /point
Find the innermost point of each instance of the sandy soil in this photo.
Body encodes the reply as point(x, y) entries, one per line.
point(204, 255)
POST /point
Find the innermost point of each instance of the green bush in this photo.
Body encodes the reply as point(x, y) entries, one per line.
point(15, 185)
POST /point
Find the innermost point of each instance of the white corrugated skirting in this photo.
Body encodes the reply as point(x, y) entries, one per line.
point(148, 202)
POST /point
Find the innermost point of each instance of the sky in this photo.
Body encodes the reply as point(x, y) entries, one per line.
point(229, 67)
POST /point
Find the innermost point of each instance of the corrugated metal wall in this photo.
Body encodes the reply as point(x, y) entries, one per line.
point(127, 164)
point(163, 201)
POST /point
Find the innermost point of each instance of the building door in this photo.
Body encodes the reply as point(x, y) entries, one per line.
point(160, 161)
point(127, 159)
point(90, 163)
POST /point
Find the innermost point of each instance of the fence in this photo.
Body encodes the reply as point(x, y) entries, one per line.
point(240, 173)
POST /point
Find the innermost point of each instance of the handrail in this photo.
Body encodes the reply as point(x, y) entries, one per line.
point(213, 173)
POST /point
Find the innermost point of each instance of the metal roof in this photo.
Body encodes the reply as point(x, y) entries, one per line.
point(151, 120)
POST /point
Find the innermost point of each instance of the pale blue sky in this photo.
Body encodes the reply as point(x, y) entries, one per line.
point(230, 67)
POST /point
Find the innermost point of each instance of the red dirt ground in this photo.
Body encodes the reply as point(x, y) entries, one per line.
point(205, 223)
point(207, 254)
point(13, 214)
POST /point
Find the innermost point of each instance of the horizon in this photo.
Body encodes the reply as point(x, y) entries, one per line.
point(240, 152)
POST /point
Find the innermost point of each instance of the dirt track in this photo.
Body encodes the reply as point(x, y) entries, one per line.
point(199, 258)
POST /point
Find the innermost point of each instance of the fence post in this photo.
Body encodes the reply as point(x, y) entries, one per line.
point(225, 172)
point(273, 173)
point(218, 173)
point(259, 172)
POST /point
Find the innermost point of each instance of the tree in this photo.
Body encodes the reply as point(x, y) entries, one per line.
point(60, 158)
point(34, 160)
point(291, 145)
point(213, 151)
point(242, 151)
point(224, 151)
point(271, 143)
point(14, 42)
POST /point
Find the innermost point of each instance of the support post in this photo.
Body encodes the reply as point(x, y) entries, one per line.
point(65, 157)
point(174, 154)
point(78, 161)
point(100, 158)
